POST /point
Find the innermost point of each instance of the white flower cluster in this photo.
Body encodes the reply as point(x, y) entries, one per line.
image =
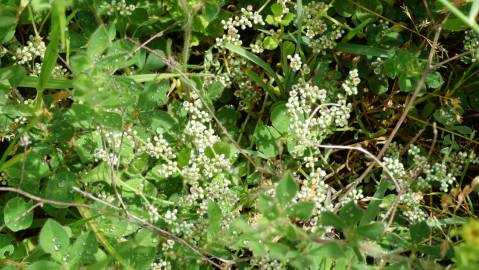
point(184, 228)
point(313, 189)
point(352, 196)
point(300, 106)
point(263, 263)
point(158, 148)
point(295, 62)
point(395, 167)
point(202, 135)
point(197, 128)
point(170, 216)
point(106, 196)
point(409, 199)
point(377, 66)
point(247, 19)
point(35, 48)
point(315, 25)
point(3, 51)
point(471, 43)
point(284, 6)
point(168, 169)
point(351, 83)
point(206, 175)
point(120, 7)
point(422, 174)
point(161, 265)
point(110, 158)
point(322, 33)
point(112, 142)
point(257, 45)
point(3, 179)
point(438, 172)
point(24, 141)
point(58, 71)
point(20, 120)
point(153, 214)
point(6, 135)
point(412, 209)
point(248, 95)
point(311, 117)
point(444, 173)
point(168, 245)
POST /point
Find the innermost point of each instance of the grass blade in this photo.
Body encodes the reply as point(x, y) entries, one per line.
point(255, 59)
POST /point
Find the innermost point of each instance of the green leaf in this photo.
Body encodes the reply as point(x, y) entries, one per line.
point(373, 231)
point(278, 251)
point(154, 62)
point(215, 90)
point(434, 80)
point(50, 57)
point(110, 119)
point(270, 43)
point(363, 50)
point(474, 11)
point(255, 59)
point(280, 118)
point(344, 8)
point(42, 265)
point(302, 210)
point(59, 187)
point(32, 82)
point(214, 220)
point(271, 20)
point(286, 189)
point(53, 238)
point(328, 250)
point(14, 74)
point(266, 87)
point(358, 29)
point(6, 246)
point(287, 19)
point(462, 129)
point(331, 219)
point(454, 24)
point(146, 238)
point(406, 84)
point(212, 9)
point(373, 208)
point(59, 16)
point(266, 139)
point(97, 43)
point(159, 121)
point(365, 7)
point(82, 250)
point(419, 232)
point(267, 207)
point(14, 214)
point(8, 22)
point(277, 9)
point(379, 86)
point(154, 95)
point(351, 213)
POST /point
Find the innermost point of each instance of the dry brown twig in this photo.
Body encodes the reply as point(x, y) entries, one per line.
point(163, 233)
point(377, 161)
point(43, 200)
point(407, 108)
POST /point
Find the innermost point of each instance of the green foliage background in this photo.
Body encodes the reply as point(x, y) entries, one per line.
point(183, 134)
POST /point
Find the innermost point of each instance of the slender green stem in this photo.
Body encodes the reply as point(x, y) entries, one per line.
point(243, 126)
point(471, 22)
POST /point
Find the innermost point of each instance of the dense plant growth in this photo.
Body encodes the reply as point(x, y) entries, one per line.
point(213, 134)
